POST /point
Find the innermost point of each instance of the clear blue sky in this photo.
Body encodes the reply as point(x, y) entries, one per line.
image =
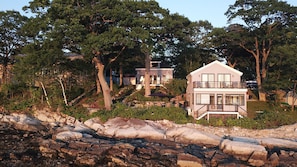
point(195, 10)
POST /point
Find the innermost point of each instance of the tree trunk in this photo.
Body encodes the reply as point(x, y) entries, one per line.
point(45, 94)
point(103, 83)
point(4, 74)
point(293, 97)
point(256, 53)
point(110, 80)
point(262, 94)
point(98, 86)
point(147, 76)
point(121, 75)
point(63, 90)
point(72, 102)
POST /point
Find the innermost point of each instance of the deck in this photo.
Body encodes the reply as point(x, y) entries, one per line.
point(208, 110)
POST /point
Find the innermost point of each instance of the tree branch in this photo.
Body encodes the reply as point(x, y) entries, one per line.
point(248, 50)
point(112, 60)
point(106, 21)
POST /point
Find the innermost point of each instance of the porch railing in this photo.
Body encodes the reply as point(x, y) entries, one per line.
point(221, 108)
point(223, 84)
point(218, 109)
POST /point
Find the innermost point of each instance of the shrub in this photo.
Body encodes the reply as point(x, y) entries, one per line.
point(3, 99)
point(14, 90)
point(139, 96)
point(74, 92)
point(247, 123)
point(79, 112)
point(177, 115)
point(272, 119)
point(229, 122)
point(176, 86)
point(19, 105)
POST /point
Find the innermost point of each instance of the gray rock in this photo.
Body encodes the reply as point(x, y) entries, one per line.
point(89, 160)
point(273, 160)
point(191, 135)
point(68, 135)
point(255, 155)
point(279, 143)
point(188, 160)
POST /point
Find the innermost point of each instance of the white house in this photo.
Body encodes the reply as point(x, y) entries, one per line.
point(216, 89)
point(158, 75)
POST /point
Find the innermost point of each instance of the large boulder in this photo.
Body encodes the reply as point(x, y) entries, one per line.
point(54, 118)
point(188, 160)
point(95, 124)
point(81, 127)
point(255, 155)
point(23, 122)
point(68, 135)
point(278, 143)
point(48, 116)
point(192, 135)
point(151, 132)
point(132, 128)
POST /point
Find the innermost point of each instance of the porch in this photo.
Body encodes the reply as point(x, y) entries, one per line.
point(219, 84)
point(219, 109)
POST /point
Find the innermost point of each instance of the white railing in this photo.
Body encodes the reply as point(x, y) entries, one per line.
point(224, 84)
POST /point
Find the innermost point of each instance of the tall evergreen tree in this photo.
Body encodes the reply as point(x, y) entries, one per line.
point(12, 39)
point(103, 30)
point(265, 22)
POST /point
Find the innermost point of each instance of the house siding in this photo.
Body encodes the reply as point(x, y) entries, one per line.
point(159, 76)
point(216, 88)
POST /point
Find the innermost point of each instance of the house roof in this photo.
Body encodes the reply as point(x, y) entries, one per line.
point(216, 62)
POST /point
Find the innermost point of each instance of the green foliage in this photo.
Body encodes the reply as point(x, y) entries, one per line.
point(3, 99)
point(78, 112)
point(174, 114)
point(19, 105)
point(139, 96)
point(273, 119)
point(74, 92)
point(190, 52)
point(282, 67)
point(12, 39)
point(267, 34)
point(11, 90)
point(120, 33)
point(247, 123)
point(177, 86)
point(19, 97)
point(254, 106)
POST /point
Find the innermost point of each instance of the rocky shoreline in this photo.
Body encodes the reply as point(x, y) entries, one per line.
point(54, 139)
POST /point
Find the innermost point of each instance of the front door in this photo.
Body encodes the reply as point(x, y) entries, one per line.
point(219, 101)
point(212, 101)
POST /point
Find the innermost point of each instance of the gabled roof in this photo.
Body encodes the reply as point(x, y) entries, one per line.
point(216, 62)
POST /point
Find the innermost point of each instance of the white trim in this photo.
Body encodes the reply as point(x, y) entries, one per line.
point(220, 90)
point(219, 113)
point(152, 69)
point(212, 63)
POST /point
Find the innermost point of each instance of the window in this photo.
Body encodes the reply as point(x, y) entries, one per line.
point(224, 80)
point(203, 98)
point(208, 80)
point(234, 99)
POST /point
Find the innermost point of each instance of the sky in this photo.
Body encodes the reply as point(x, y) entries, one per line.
point(196, 10)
